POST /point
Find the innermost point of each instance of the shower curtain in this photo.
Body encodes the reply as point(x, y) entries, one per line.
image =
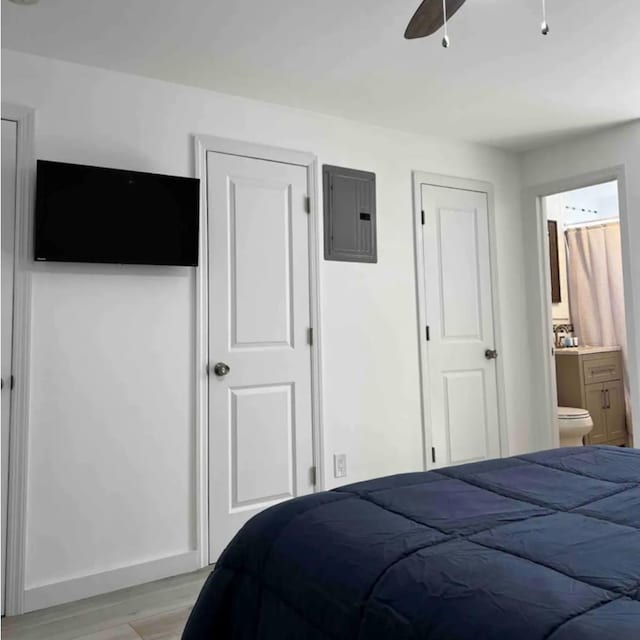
point(596, 293)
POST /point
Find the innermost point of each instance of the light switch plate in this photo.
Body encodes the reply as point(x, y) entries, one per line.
point(339, 465)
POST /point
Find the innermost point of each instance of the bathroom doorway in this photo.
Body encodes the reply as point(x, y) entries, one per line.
point(590, 359)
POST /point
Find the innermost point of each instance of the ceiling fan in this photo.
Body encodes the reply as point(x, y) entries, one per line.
point(433, 14)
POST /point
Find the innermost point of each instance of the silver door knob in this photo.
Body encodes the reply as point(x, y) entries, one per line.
point(221, 369)
point(490, 354)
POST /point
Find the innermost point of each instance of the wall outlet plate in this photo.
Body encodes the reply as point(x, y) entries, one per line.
point(339, 465)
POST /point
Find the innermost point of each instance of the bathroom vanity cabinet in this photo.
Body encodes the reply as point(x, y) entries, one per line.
point(591, 378)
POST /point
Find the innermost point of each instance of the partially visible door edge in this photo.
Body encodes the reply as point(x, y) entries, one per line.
point(432, 179)
point(19, 425)
point(203, 145)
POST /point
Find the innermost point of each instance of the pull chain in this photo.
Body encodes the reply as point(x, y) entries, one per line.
point(545, 24)
point(445, 40)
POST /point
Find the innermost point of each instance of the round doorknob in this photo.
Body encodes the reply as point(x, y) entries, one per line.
point(221, 369)
point(490, 354)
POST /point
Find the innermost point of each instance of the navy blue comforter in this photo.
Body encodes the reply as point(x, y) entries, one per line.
point(539, 546)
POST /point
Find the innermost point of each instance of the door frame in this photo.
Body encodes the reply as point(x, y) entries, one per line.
point(24, 117)
point(466, 184)
point(203, 145)
point(543, 381)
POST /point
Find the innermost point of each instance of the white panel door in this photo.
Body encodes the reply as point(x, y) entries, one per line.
point(462, 397)
point(9, 174)
point(260, 411)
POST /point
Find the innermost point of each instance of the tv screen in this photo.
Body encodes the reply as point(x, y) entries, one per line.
point(92, 214)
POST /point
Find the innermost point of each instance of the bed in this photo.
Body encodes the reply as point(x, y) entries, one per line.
point(538, 546)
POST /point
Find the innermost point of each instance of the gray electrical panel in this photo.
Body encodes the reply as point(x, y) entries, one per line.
point(349, 214)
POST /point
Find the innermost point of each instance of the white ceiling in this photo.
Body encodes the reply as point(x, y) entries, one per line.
point(500, 83)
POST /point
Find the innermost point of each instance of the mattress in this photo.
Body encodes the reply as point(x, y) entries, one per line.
point(540, 546)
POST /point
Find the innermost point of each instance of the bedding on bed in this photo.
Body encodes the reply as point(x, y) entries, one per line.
point(540, 546)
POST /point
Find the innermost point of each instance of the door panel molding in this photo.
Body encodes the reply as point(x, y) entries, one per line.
point(245, 452)
point(475, 407)
point(421, 178)
point(472, 327)
point(19, 434)
point(203, 145)
point(240, 334)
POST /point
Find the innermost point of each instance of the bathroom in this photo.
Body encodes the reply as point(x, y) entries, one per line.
point(588, 316)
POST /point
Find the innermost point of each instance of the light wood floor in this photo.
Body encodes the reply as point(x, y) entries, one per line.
point(154, 611)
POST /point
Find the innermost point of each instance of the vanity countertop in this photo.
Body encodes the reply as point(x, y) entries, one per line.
point(577, 351)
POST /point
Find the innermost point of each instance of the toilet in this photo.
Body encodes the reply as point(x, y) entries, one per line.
point(573, 425)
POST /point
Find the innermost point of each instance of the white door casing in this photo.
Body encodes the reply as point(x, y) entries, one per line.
point(260, 412)
point(544, 384)
point(24, 118)
point(9, 183)
point(461, 403)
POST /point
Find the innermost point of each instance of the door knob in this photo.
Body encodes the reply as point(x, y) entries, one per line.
point(490, 354)
point(221, 369)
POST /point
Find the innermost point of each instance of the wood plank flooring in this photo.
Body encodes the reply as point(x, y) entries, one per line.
point(154, 611)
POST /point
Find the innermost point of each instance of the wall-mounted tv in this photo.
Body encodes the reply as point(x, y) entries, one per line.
point(93, 214)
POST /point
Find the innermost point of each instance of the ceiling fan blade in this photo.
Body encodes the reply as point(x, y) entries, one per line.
point(429, 18)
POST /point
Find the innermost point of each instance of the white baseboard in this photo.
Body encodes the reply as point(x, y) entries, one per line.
point(55, 593)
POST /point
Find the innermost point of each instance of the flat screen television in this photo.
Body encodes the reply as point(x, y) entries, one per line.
point(93, 214)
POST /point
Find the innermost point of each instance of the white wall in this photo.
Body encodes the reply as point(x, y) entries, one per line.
point(111, 480)
point(598, 202)
point(619, 146)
